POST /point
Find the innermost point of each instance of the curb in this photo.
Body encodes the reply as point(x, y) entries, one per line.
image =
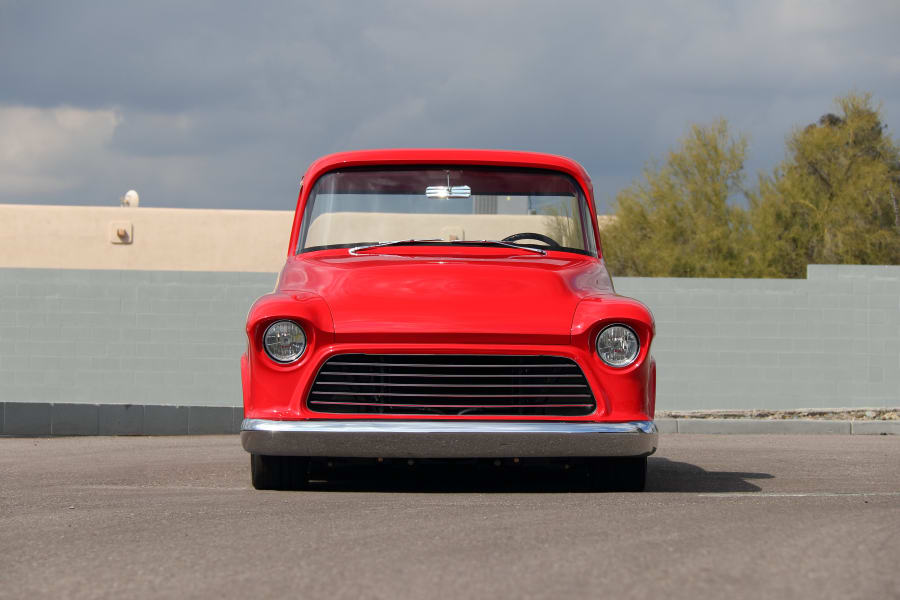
point(70, 419)
point(875, 427)
point(779, 426)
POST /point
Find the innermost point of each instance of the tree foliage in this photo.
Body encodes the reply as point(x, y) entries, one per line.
point(834, 199)
point(677, 220)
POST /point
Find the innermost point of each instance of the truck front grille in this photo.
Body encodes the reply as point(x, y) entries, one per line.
point(450, 384)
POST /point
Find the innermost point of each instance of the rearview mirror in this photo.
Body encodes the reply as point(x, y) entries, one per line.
point(444, 191)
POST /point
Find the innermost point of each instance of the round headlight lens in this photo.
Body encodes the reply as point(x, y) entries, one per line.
point(284, 341)
point(618, 346)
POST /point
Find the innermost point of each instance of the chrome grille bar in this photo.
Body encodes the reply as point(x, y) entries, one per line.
point(454, 405)
point(381, 364)
point(457, 395)
point(453, 385)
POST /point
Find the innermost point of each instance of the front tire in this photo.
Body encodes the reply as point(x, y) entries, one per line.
point(279, 472)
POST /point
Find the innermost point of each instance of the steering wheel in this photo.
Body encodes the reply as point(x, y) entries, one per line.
point(529, 235)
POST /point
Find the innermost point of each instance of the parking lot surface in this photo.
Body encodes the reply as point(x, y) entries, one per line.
point(732, 516)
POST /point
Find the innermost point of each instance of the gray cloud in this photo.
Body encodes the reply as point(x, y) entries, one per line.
point(223, 104)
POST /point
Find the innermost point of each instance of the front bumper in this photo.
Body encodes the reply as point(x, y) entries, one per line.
point(447, 439)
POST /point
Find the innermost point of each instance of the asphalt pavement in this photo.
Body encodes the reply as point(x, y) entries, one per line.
point(725, 516)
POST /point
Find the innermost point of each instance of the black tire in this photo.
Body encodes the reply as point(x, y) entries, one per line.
point(628, 474)
point(279, 472)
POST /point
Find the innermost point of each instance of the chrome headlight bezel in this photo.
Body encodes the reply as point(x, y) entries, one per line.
point(288, 358)
point(631, 357)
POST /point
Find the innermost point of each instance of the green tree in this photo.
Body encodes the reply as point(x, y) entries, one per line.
point(677, 220)
point(834, 199)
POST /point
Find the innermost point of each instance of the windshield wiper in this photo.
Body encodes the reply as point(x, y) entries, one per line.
point(411, 242)
point(500, 243)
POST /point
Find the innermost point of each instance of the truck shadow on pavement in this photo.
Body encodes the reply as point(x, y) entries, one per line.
point(663, 475)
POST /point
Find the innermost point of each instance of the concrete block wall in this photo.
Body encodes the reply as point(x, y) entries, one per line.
point(124, 337)
point(829, 341)
point(149, 338)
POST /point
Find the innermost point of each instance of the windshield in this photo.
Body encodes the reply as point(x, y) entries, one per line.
point(447, 205)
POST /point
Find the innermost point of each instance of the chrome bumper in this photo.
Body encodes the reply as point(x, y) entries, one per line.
point(447, 439)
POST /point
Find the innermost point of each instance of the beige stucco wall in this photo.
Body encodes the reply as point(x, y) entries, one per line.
point(79, 237)
point(170, 239)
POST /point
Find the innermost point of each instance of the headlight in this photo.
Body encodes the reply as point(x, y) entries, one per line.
point(284, 341)
point(618, 345)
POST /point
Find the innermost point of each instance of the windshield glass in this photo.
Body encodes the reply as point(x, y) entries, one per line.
point(456, 205)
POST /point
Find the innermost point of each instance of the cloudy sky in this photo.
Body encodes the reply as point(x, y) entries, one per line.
point(224, 104)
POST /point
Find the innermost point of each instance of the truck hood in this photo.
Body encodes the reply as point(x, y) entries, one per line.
point(483, 296)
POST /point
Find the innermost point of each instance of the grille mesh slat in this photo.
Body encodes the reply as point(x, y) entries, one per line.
point(441, 375)
point(451, 385)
